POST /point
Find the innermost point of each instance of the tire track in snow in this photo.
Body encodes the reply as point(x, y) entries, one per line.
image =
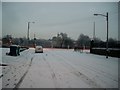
point(99, 72)
point(21, 79)
point(76, 72)
point(52, 74)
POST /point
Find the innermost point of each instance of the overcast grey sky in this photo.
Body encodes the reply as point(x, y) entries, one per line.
point(51, 18)
point(0, 19)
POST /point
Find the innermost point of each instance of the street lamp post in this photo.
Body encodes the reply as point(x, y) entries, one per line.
point(28, 31)
point(107, 31)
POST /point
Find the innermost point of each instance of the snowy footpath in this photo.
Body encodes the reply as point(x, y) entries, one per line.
point(16, 67)
point(59, 68)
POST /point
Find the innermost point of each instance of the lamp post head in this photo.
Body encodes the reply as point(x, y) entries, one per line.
point(95, 14)
point(31, 22)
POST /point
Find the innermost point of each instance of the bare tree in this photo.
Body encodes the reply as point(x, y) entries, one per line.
point(83, 40)
point(62, 41)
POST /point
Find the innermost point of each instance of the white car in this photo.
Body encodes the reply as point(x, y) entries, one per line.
point(38, 49)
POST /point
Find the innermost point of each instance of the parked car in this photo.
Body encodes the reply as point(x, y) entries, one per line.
point(38, 49)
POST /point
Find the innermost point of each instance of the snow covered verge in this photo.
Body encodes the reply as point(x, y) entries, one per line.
point(15, 69)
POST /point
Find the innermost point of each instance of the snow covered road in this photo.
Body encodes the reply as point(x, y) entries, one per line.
point(69, 69)
point(62, 68)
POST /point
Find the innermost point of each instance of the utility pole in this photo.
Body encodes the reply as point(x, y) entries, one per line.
point(93, 30)
point(28, 32)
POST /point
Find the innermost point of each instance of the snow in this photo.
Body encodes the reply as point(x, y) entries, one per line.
point(17, 66)
point(59, 68)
